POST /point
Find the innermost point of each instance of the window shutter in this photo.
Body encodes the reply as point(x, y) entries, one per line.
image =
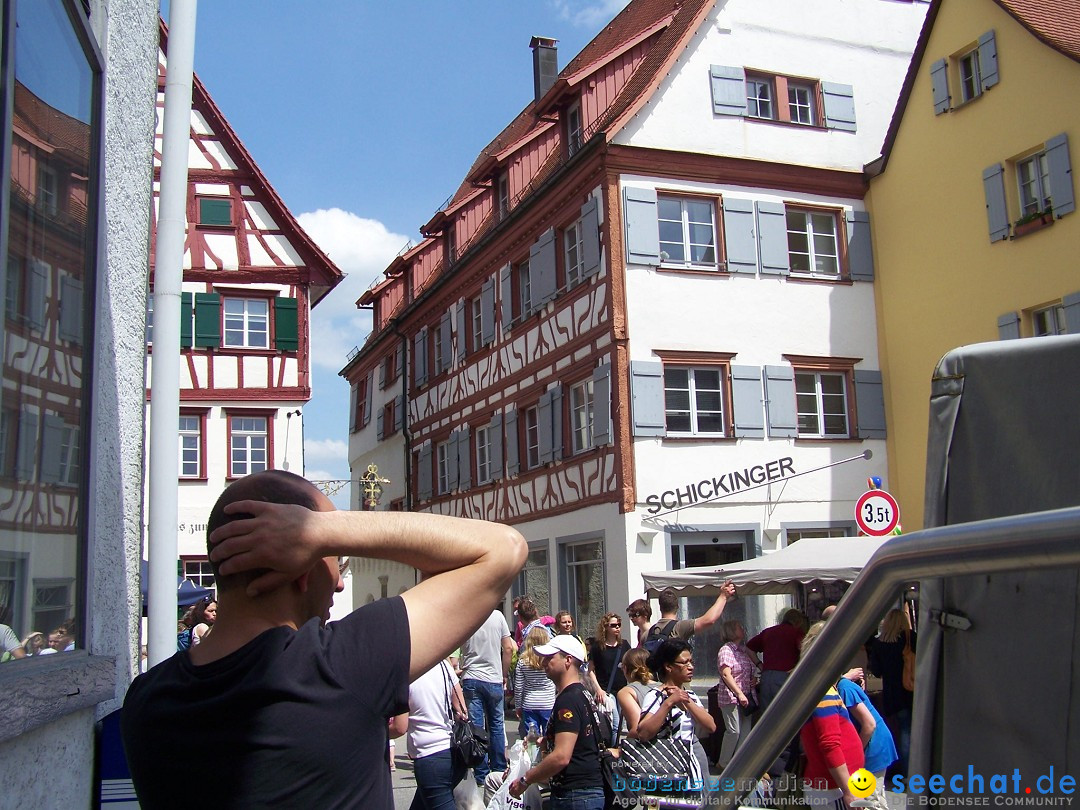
point(36, 291)
point(452, 462)
point(839, 102)
point(420, 363)
point(399, 359)
point(462, 328)
point(207, 319)
point(399, 412)
point(1061, 181)
point(589, 225)
point(52, 440)
point(747, 402)
point(286, 324)
point(642, 232)
point(1008, 326)
point(544, 427)
point(464, 458)
point(997, 214)
point(71, 305)
point(860, 251)
point(380, 417)
point(1071, 305)
point(367, 399)
point(353, 393)
point(647, 397)
point(780, 401)
point(382, 372)
point(506, 292)
point(740, 238)
point(870, 402)
point(495, 451)
point(446, 354)
point(939, 78)
point(512, 465)
point(542, 268)
point(423, 473)
point(487, 310)
point(26, 447)
point(602, 405)
point(988, 61)
point(185, 320)
point(728, 90)
point(772, 233)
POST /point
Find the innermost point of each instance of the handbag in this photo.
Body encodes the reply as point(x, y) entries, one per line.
point(908, 677)
point(750, 707)
point(468, 743)
point(618, 791)
point(664, 765)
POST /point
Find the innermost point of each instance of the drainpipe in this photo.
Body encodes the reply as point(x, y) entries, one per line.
point(162, 549)
point(405, 435)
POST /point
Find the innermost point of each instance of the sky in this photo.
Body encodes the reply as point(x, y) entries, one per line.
point(365, 115)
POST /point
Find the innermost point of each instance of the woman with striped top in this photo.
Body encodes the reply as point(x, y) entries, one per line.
point(534, 692)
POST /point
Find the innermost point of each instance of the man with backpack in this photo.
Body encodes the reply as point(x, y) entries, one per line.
point(669, 625)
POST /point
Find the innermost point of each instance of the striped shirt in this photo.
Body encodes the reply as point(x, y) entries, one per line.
point(533, 689)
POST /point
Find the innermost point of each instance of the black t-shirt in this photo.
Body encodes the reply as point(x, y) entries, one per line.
point(571, 713)
point(294, 718)
point(602, 658)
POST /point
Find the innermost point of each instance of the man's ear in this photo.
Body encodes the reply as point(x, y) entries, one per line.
point(301, 581)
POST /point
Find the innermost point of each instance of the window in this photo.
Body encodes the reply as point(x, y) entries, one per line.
point(47, 189)
point(813, 247)
point(150, 318)
point(694, 400)
point(502, 192)
point(247, 323)
point(248, 445)
point(1048, 321)
point(69, 455)
point(535, 578)
point(573, 254)
point(215, 211)
point(795, 535)
point(970, 80)
point(801, 103)
point(581, 416)
point(687, 231)
point(200, 572)
point(532, 437)
point(437, 348)
point(583, 587)
point(1033, 178)
point(390, 418)
point(524, 282)
point(821, 401)
point(190, 447)
point(476, 319)
point(442, 466)
point(53, 603)
point(361, 414)
point(450, 235)
point(573, 129)
point(483, 454)
point(759, 97)
point(765, 94)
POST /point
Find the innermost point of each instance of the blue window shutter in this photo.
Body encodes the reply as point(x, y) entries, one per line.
point(740, 238)
point(506, 293)
point(496, 451)
point(556, 423)
point(464, 460)
point(446, 325)
point(26, 445)
point(860, 251)
point(36, 291)
point(839, 102)
point(380, 417)
point(870, 402)
point(52, 440)
point(423, 473)
point(589, 225)
point(511, 444)
point(772, 236)
point(71, 307)
point(988, 61)
point(382, 372)
point(185, 320)
point(647, 395)
point(997, 214)
point(367, 399)
point(728, 89)
point(1071, 305)
point(544, 425)
point(462, 327)
point(453, 463)
point(747, 402)
point(780, 401)
point(1008, 326)
point(399, 359)
point(602, 405)
point(642, 232)
point(1062, 196)
point(399, 412)
point(542, 268)
point(487, 311)
point(207, 319)
point(939, 78)
point(420, 374)
point(353, 393)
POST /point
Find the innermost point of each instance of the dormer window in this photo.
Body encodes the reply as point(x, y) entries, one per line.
point(47, 189)
point(573, 129)
point(450, 237)
point(502, 190)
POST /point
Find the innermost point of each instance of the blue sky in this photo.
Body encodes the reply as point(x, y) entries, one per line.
point(365, 116)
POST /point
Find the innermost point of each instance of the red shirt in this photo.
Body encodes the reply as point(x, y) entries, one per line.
point(778, 646)
point(830, 740)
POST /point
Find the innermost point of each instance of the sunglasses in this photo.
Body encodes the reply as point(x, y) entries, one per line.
point(615, 624)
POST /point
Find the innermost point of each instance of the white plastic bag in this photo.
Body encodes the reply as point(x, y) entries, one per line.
point(519, 765)
point(467, 795)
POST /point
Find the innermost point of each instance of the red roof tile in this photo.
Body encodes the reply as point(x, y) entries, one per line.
point(1054, 22)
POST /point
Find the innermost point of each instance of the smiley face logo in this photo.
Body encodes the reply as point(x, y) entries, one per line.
point(862, 783)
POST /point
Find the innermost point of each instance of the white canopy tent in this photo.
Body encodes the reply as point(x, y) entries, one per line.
point(781, 572)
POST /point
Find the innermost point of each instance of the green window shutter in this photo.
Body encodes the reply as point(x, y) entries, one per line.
point(207, 319)
point(286, 325)
point(215, 211)
point(185, 320)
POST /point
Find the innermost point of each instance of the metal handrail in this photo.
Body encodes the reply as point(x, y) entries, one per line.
point(1032, 541)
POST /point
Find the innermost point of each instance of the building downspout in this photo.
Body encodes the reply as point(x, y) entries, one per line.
point(405, 434)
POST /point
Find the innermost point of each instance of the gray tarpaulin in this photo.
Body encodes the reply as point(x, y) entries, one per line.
point(1004, 440)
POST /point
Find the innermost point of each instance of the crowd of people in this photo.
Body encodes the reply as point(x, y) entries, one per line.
point(60, 639)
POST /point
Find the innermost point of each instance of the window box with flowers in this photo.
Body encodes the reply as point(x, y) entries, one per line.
point(1033, 222)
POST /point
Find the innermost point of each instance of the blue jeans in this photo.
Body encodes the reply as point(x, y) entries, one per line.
point(436, 776)
point(577, 799)
point(538, 717)
point(485, 702)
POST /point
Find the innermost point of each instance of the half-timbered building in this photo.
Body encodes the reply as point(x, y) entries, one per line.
point(251, 277)
point(642, 330)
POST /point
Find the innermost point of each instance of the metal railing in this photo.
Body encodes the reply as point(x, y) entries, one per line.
point(1038, 540)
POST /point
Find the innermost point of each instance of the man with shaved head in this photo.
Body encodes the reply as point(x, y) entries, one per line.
point(278, 706)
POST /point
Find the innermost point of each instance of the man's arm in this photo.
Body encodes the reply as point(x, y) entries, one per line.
point(507, 655)
point(468, 564)
point(713, 614)
point(557, 759)
point(863, 721)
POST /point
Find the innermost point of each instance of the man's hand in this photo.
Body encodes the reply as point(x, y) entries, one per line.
point(728, 589)
point(517, 788)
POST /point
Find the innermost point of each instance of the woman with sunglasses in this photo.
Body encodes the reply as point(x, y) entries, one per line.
point(606, 650)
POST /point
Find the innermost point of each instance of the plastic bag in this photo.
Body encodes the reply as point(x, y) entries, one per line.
point(519, 765)
point(467, 794)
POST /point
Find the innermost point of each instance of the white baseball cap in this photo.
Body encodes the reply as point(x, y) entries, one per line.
point(564, 644)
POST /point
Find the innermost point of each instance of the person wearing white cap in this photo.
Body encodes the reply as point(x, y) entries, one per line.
point(571, 763)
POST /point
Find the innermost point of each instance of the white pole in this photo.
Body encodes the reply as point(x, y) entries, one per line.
point(165, 368)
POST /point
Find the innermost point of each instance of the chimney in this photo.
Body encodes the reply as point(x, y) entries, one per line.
point(545, 64)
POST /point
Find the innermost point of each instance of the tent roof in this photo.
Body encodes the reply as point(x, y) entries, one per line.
point(824, 559)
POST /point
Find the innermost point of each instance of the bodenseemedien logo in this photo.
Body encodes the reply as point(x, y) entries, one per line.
point(862, 783)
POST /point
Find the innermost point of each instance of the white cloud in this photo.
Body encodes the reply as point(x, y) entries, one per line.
point(362, 248)
point(322, 451)
point(591, 13)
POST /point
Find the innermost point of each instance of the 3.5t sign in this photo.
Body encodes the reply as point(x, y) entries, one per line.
point(877, 513)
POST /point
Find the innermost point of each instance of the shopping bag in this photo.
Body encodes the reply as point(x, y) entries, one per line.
point(467, 794)
point(519, 765)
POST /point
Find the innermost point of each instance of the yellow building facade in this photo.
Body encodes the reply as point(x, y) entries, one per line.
point(976, 157)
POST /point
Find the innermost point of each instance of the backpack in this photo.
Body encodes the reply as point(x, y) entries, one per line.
point(658, 635)
point(183, 640)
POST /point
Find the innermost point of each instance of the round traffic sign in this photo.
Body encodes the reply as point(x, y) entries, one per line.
point(877, 513)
